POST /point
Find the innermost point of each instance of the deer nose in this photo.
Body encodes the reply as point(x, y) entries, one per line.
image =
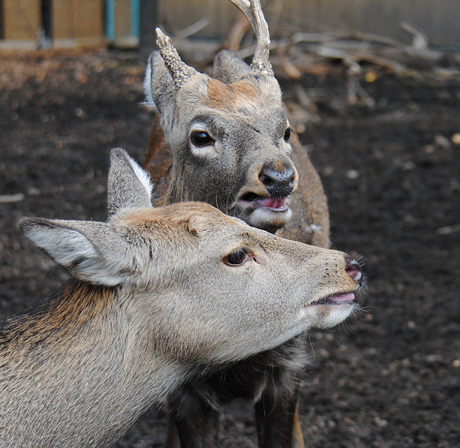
point(278, 183)
point(354, 270)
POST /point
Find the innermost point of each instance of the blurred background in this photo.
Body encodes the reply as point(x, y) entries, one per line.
point(71, 22)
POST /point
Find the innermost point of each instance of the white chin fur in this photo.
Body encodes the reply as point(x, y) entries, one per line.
point(327, 316)
point(261, 217)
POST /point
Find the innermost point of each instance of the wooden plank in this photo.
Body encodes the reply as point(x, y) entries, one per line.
point(122, 18)
point(22, 19)
point(76, 19)
point(438, 19)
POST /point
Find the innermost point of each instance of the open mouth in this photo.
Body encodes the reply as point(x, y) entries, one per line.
point(335, 299)
point(273, 204)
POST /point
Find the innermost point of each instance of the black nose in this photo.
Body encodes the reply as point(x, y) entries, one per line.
point(278, 183)
point(354, 270)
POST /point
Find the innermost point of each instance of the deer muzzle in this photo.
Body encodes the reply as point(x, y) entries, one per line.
point(264, 202)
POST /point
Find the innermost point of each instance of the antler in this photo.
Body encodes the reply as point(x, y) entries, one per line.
point(180, 71)
point(253, 12)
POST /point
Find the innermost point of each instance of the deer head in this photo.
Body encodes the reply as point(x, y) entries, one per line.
point(229, 133)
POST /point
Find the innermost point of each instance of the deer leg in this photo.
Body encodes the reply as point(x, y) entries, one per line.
point(277, 419)
point(297, 433)
point(193, 422)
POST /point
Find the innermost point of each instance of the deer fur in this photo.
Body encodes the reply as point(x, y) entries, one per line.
point(251, 144)
point(244, 114)
point(251, 140)
point(157, 296)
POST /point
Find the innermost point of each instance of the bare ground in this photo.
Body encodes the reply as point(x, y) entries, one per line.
point(392, 176)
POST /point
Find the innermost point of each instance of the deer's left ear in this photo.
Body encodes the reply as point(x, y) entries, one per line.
point(128, 184)
point(229, 68)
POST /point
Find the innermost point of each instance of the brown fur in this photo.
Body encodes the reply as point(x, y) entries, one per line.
point(158, 161)
point(243, 164)
point(58, 319)
point(230, 97)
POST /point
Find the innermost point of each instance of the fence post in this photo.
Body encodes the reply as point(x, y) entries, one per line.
point(110, 20)
point(148, 21)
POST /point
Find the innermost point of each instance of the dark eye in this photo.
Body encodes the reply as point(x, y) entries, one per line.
point(201, 138)
point(287, 134)
point(236, 258)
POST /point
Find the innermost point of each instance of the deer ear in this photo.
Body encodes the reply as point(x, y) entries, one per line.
point(128, 184)
point(229, 68)
point(159, 85)
point(79, 247)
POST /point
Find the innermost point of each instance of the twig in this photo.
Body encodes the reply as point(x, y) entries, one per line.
point(11, 198)
point(192, 29)
point(239, 29)
point(448, 229)
point(420, 40)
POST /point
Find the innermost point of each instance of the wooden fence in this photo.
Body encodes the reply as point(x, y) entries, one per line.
point(439, 19)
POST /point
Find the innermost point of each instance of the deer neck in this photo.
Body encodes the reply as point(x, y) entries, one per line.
point(87, 372)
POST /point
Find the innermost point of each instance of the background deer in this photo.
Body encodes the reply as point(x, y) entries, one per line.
point(227, 140)
point(157, 296)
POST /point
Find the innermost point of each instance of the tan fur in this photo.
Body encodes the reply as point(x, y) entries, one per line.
point(231, 97)
point(153, 305)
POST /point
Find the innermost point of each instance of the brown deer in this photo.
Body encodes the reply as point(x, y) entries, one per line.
point(158, 296)
point(227, 140)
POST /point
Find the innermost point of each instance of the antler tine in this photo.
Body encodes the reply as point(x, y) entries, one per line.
point(180, 71)
point(253, 12)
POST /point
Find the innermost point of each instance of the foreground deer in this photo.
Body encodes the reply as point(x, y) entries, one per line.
point(227, 140)
point(158, 296)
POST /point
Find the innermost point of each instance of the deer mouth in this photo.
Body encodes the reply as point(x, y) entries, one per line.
point(347, 298)
point(274, 204)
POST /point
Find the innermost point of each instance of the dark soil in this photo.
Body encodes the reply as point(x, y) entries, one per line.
point(392, 176)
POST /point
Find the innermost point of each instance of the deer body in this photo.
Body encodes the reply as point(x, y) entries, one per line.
point(159, 296)
point(227, 140)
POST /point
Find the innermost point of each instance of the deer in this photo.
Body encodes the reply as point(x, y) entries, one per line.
point(227, 140)
point(157, 296)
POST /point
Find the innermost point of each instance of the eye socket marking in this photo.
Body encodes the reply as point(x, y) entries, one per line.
point(201, 139)
point(239, 257)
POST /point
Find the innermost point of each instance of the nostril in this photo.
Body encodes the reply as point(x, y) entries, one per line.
point(277, 183)
point(354, 270)
point(266, 180)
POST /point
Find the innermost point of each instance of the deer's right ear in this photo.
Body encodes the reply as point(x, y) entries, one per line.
point(159, 85)
point(128, 184)
point(82, 248)
point(228, 67)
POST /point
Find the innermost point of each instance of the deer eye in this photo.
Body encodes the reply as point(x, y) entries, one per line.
point(236, 258)
point(201, 138)
point(287, 134)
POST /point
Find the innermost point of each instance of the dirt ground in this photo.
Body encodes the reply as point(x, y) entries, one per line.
point(392, 175)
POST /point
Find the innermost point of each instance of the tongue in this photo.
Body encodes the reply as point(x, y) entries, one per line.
point(349, 297)
point(272, 202)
